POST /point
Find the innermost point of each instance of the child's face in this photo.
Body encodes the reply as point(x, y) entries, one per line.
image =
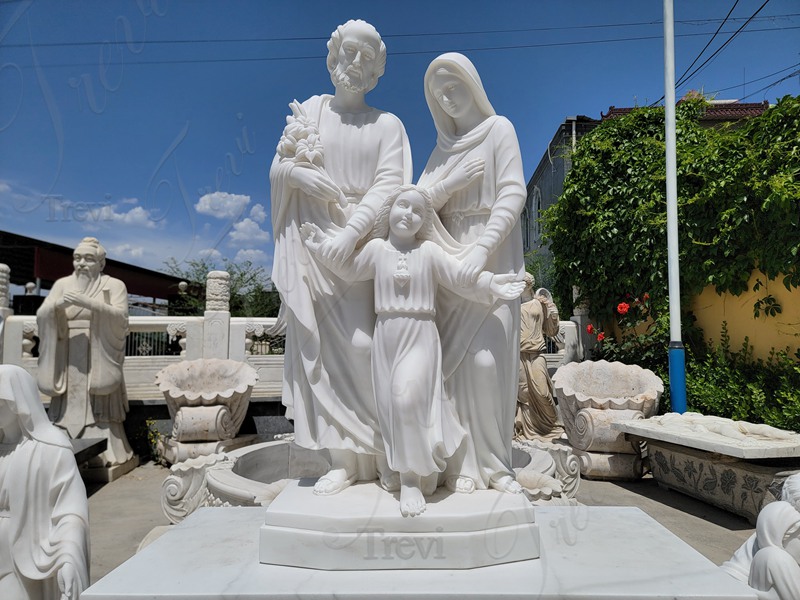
point(407, 215)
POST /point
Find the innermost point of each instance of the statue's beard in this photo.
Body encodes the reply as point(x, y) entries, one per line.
point(84, 279)
point(353, 83)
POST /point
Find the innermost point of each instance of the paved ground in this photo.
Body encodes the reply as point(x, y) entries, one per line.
point(122, 513)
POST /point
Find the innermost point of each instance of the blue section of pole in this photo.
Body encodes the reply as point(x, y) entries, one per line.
point(677, 377)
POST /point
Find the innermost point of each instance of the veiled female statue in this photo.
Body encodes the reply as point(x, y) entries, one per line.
point(475, 178)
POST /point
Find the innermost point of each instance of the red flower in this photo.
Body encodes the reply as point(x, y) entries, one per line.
point(590, 329)
point(601, 336)
point(623, 307)
point(645, 297)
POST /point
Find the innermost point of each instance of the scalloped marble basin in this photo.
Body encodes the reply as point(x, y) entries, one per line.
point(207, 398)
point(592, 394)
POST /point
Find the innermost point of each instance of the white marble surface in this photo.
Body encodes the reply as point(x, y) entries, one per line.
point(361, 528)
point(587, 552)
point(753, 447)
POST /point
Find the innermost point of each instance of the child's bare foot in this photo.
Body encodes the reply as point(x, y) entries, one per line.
point(412, 502)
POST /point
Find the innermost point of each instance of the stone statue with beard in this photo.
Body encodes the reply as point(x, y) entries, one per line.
point(82, 325)
point(327, 384)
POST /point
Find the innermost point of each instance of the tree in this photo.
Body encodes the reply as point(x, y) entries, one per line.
point(251, 288)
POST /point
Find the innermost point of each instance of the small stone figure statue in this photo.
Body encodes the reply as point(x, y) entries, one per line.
point(536, 409)
point(770, 560)
point(418, 422)
point(44, 522)
point(82, 324)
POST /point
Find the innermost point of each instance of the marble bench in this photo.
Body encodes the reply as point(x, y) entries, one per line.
point(737, 474)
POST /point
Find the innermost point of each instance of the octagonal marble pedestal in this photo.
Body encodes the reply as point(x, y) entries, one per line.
point(361, 529)
point(586, 552)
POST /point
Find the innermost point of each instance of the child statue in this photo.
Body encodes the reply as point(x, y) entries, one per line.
point(417, 421)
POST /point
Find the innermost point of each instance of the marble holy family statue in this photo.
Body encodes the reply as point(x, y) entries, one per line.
point(401, 302)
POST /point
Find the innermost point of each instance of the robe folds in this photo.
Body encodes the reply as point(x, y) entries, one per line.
point(417, 419)
point(536, 411)
point(108, 328)
point(329, 322)
point(481, 343)
point(44, 513)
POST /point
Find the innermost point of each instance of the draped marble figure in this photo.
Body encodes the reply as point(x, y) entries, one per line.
point(417, 420)
point(44, 522)
point(336, 162)
point(537, 414)
point(83, 323)
point(475, 178)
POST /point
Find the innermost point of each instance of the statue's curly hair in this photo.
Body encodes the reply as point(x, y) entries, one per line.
point(336, 42)
point(381, 227)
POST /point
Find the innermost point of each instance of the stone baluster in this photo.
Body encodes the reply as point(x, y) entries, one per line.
point(5, 311)
point(217, 316)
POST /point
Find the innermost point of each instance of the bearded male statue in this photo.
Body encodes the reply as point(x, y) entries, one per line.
point(338, 159)
point(82, 324)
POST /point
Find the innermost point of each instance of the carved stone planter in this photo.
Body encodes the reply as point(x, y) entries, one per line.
point(207, 399)
point(594, 394)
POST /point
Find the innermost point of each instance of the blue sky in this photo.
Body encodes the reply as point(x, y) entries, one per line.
point(152, 124)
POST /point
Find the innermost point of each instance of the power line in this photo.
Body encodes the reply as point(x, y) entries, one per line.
point(709, 41)
point(716, 52)
point(732, 87)
point(389, 36)
point(393, 54)
point(773, 84)
point(721, 48)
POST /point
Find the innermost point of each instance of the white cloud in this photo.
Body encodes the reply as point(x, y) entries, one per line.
point(129, 201)
point(136, 217)
point(247, 232)
point(211, 254)
point(258, 214)
point(4, 187)
point(123, 251)
point(257, 257)
point(222, 205)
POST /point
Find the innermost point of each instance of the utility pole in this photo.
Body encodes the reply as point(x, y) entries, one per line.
point(677, 357)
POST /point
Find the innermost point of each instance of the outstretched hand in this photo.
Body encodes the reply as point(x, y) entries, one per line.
point(506, 286)
point(472, 266)
point(462, 176)
point(341, 247)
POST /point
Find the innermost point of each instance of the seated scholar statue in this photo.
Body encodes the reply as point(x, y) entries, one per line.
point(337, 160)
point(475, 178)
point(770, 560)
point(83, 323)
point(44, 522)
point(536, 408)
point(417, 421)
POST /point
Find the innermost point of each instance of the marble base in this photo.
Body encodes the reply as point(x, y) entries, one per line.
point(174, 452)
point(109, 474)
point(361, 528)
point(606, 466)
point(732, 484)
point(586, 552)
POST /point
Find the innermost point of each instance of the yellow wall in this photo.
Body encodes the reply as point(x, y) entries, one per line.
point(765, 333)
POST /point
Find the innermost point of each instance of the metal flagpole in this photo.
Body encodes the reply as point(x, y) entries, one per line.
point(677, 358)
